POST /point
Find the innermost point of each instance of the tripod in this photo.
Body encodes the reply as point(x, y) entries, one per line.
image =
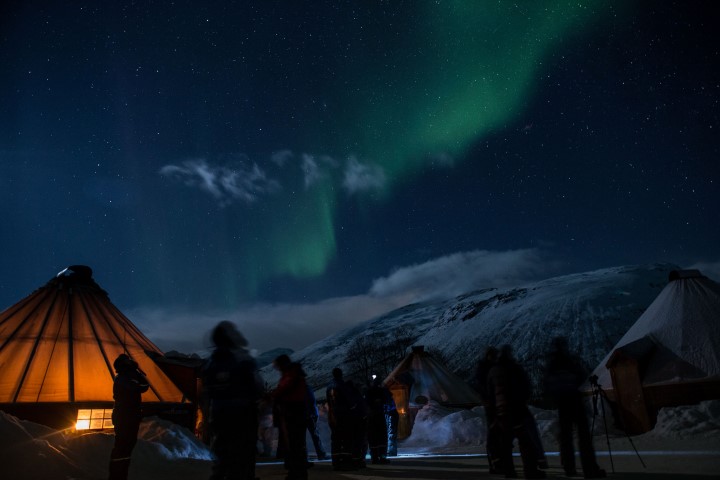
point(599, 394)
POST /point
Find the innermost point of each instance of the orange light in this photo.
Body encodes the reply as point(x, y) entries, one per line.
point(94, 419)
point(82, 425)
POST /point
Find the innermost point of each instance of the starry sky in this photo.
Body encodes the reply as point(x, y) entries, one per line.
point(297, 167)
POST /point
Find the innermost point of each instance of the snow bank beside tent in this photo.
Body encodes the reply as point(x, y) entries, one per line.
point(32, 451)
point(699, 421)
point(442, 430)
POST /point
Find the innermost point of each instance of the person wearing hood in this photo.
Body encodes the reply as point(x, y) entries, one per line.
point(232, 388)
point(128, 387)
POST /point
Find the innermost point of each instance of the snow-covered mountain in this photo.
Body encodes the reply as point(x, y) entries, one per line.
point(592, 309)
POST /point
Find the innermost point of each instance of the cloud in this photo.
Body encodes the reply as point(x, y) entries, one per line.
point(709, 269)
point(462, 272)
point(280, 158)
point(311, 169)
point(361, 177)
point(227, 184)
point(266, 326)
point(296, 326)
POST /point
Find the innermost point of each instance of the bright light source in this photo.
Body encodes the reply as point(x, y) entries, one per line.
point(94, 419)
point(82, 425)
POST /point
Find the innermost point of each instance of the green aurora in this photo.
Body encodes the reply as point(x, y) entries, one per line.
point(462, 71)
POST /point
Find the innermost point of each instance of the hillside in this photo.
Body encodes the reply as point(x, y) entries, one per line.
point(593, 309)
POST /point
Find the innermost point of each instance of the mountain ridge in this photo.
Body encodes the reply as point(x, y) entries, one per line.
point(593, 309)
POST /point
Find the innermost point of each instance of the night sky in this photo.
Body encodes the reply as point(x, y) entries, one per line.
point(299, 166)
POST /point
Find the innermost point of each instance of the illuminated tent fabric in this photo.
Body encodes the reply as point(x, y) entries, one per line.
point(58, 345)
point(426, 378)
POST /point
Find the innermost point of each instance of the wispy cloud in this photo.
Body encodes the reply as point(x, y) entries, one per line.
point(452, 275)
point(226, 183)
point(360, 177)
point(311, 170)
point(297, 325)
point(246, 182)
point(281, 157)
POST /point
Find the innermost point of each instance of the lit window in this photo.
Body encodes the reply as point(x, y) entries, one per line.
point(94, 419)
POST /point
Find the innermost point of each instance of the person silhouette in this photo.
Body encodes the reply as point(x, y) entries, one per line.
point(290, 398)
point(508, 393)
point(128, 387)
point(564, 374)
point(232, 389)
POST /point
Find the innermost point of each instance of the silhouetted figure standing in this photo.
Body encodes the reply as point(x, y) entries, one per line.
point(339, 420)
point(377, 435)
point(564, 374)
point(392, 419)
point(232, 389)
point(128, 386)
point(312, 428)
point(290, 402)
point(508, 393)
point(358, 426)
point(494, 432)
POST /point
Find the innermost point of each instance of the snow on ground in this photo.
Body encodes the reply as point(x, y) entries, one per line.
point(164, 451)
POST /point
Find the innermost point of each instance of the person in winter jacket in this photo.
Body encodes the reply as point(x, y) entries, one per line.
point(312, 427)
point(128, 386)
point(231, 391)
point(358, 425)
point(509, 390)
point(340, 421)
point(493, 436)
point(377, 435)
point(392, 419)
point(290, 398)
point(564, 374)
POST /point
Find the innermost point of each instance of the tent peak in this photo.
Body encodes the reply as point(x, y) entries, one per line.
point(77, 271)
point(76, 276)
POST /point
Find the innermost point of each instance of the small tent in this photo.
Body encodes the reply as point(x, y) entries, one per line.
point(420, 377)
point(671, 354)
point(57, 348)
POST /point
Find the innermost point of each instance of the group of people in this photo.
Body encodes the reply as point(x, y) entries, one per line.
point(506, 390)
point(232, 391)
point(359, 422)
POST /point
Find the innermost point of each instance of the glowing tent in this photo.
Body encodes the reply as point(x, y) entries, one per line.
point(671, 354)
point(57, 347)
point(418, 378)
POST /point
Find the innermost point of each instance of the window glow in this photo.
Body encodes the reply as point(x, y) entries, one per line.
point(94, 419)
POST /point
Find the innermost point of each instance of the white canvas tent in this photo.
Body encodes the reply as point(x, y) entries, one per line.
point(57, 347)
point(418, 378)
point(671, 354)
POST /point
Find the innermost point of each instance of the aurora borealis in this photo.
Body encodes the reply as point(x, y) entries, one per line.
point(228, 156)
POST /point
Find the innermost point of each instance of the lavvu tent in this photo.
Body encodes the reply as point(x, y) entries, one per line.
point(420, 377)
point(57, 348)
point(671, 354)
